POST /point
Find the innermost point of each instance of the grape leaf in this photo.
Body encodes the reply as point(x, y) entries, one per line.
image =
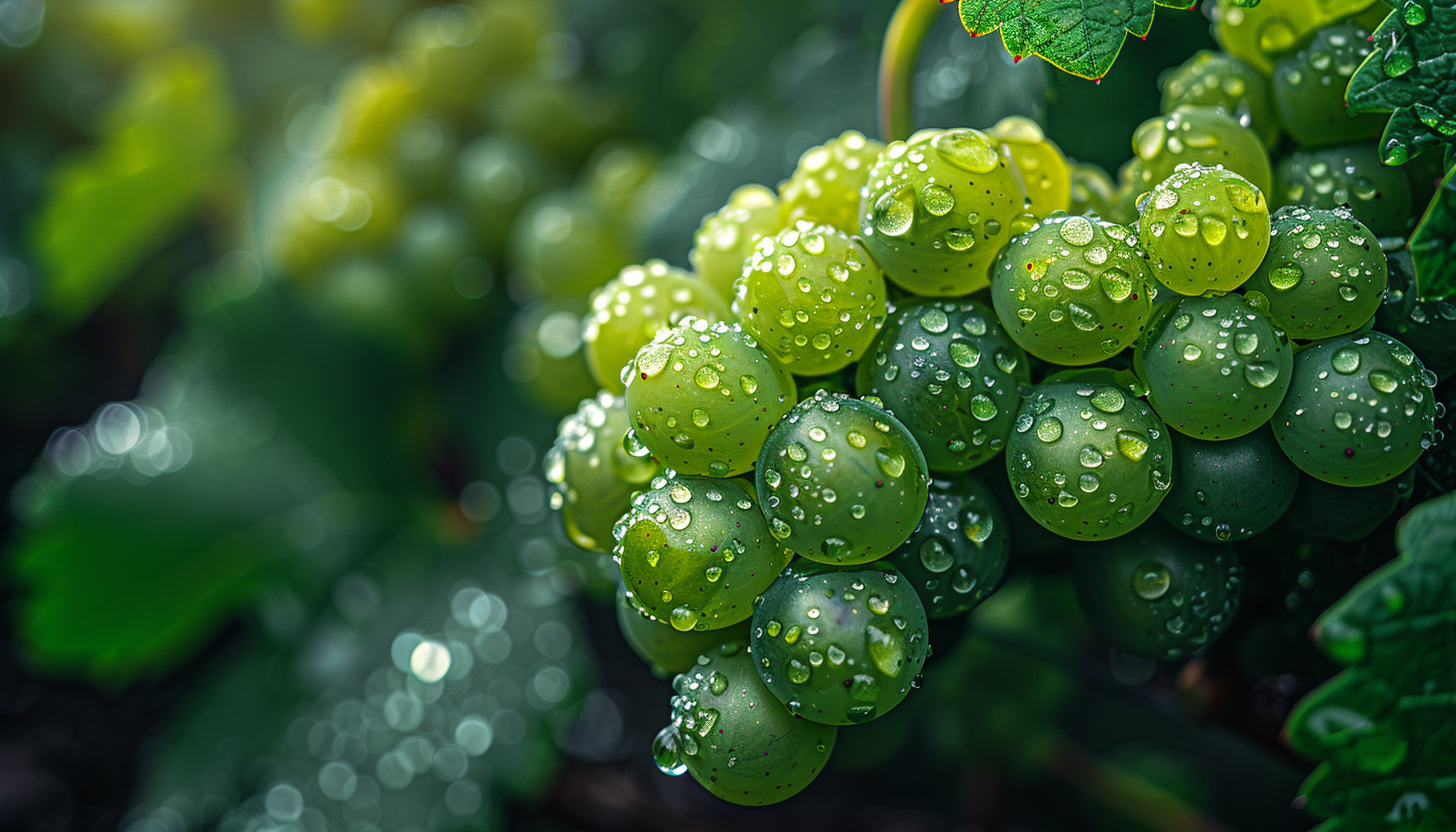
point(1412, 72)
point(1430, 243)
point(1082, 37)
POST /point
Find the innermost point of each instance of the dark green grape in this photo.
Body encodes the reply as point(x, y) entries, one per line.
point(956, 556)
point(938, 208)
point(1215, 367)
point(1261, 34)
point(543, 354)
point(1427, 326)
point(1219, 79)
point(840, 382)
point(1129, 188)
point(841, 480)
point(725, 239)
point(696, 551)
point(1325, 511)
point(1204, 229)
point(812, 297)
point(1072, 290)
point(1044, 170)
point(1309, 89)
point(1088, 461)
point(1324, 274)
point(1157, 594)
point(953, 374)
point(824, 187)
point(840, 646)
point(495, 175)
point(665, 649)
point(1207, 136)
point(1093, 192)
point(591, 474)
point(1359, 410)
point(735, 737)
point(703, 397)
point(1228, 490)
point(633, 307)
point(1353, 175)
point(563, 246)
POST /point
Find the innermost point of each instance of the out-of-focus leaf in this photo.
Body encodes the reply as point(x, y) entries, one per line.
point(1430, 245)
point(106, 210)
point(1074, 35)
point(1411, 73)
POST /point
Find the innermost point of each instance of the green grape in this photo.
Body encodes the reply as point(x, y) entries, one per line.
point(1261, 34)
point(1093, 193)
point(726, 238)
point(735, 737)
point(1044, 169)
point(696, 551)
point(616, 173)
point(495, 175)
point(1353, 175)
point(1088, 461)
point(591, 474)
point(1427, 326)
point(562, 245)
point(1157, 594)
point(1219, 79)
point(1205, 136)
point(1325, 511)
point(824, 187)
point(1309, 89)
point(340, 205)
point(840, 382)
point(938, 208)
point(1324, 274)
point(956, 556)
point(1228, 490)
point(812, 297)
point(633, 307)
point(1215, 366)
point(957, 374)
point(1204, 229)
point(665, 649)
point(543, 355)
point(1072, 290)
point(1359, 409)
point(703, 398)
point(841, 480)
point(840, 646)
point(565, 117)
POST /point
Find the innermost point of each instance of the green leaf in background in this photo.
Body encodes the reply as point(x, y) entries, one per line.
point(107, 209)
point(1413, 73)
point(1430, 243)
point(1385, 728)
point(1076, 36)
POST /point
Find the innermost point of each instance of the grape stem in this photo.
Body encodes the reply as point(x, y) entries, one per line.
point(1123, 791)
point(903, 38)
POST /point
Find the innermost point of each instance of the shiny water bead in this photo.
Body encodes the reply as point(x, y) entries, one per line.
point(840, 646)
point(1260, 35)
point(1044, 170)
point(726, 237)
point(937, 209)
point(951, 374)
point(1219, 79)
point(1093, 193)
point(812, 296)
point(1195, 135)
point(1324, 274)
point(1309, 89)
point(666, 649)
point(1072, 290)
point(1156, 594)
point(1204, 229)
point(562, 245)
point(696, 551)
point(1359, 410)
point(591, 474)
point(824, 187)
point(1325, 511)
point(633, 307)
point(1088, 461)
point(1353, 175)
point(841, 480)
point(543, 354)
point(957, 555)
point(1215, 367)
point(1229, 490)
point(1427, 326)
point(735, 737)
point(703, 397)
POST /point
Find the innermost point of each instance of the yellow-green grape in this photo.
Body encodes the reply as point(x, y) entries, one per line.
point(725, 239)
point(840, 646)
point(1044, 170)
point(938, 208)
point(812, 297)
point(1261, 34)
point(351, 204)
point(1353, 175)
point(464, 51)
point(1359, 410)
point(1206, 136)
point(1093, 192)
point(562, 245)
point(667, 650)
point(1072, 290)
point(1215, 367)
point(735, 737)
point(953, 374)
point(696, 551)
point(1309, 89)
point(703, 398)
point(1228, 490)
point(615, 174)
point(1324, 274)
point(957, 555)
point(1426, 325)
point(841, 480)
point(375, 96)
point(1219, 79)
point(543, 354)
point(1088, 461)
point(633, 307)
point(591, 474)
point(1204, 229)
point(824, 187)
